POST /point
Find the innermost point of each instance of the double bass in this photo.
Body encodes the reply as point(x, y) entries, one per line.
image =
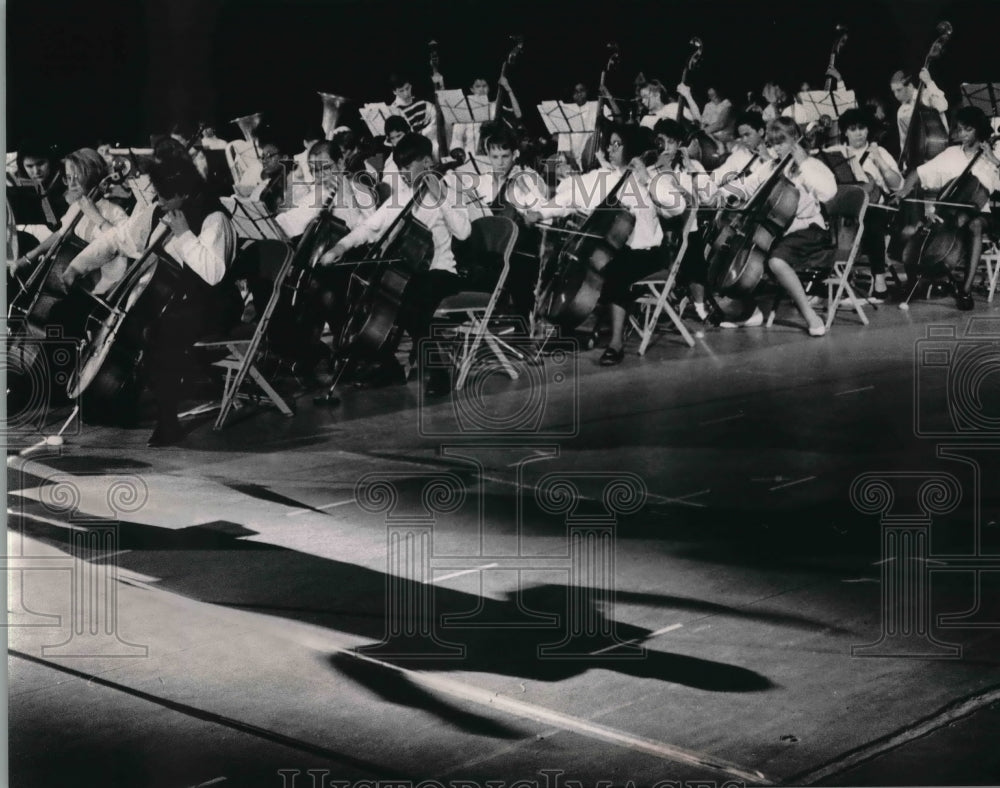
point(826, 131)
point(739, 248)
point(926, 136)
point(515, 52)
point(569, 290)
point(589, 159)
point(700, 144)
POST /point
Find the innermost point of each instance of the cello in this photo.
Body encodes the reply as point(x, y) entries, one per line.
point(106, 382)
point(292, 322)
point(935, 247)
point(588, 158)
point(739, 249)
point(926, 136)
point(568, 292)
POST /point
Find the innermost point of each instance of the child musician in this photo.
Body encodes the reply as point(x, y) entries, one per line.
point(439, 209)
point(807, 238)
point(973, 132)
point(647, 197)
point(870, 164)
point(203, 242)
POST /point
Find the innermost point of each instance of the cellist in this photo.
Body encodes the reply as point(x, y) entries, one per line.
point(439, 209)
point(871, 164)
point(807, 238)
point(646, 197)
point(203, 242)
point(973, 132)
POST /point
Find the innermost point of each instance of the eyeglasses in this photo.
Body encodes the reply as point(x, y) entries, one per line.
point(615, 144)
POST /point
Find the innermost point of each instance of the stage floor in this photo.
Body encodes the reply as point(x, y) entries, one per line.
point(765, 559)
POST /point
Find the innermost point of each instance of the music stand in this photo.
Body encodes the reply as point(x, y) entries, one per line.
point(25, 201)
point(985, 95)
point(840, 166)
point(253, 221)
point(456, 107)
point(817, 103)
point(375, 116)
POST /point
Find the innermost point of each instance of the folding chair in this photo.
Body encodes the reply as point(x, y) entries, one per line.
point(846, 212)
point(656, 288)
point(990, 261)
point(492, 242)
point(241, 360)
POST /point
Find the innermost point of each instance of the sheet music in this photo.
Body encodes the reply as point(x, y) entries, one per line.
point(142, 189)
point(456, 107)
point(375, 115)
point(813, 104)
point(252, 220)
point(561, 117)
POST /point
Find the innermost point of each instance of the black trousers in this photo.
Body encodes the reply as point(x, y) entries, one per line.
point(172, 336)
point(627, 268)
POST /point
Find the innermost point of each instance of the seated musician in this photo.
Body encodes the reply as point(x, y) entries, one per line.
point(647, 198)
point(905, 90)
point(749, 152)
point(515, 191)
point(83, 170)
point(807, 239)
point(718, 118)
point(973, 132)
point(687, 176)
point(202, 241)
point(660, 104)
point(778, 101)
point(439, 210)
point(37, 164)
point(357, 153)
point(871, 165)
point(467, 137)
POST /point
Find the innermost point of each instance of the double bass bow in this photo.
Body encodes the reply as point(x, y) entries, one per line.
point(926, 136)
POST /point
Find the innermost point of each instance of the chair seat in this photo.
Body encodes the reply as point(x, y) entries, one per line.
point(241, 333)
point(464, 301)
point(654, 278)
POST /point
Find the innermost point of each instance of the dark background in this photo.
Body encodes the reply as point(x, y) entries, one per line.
point(117, 71)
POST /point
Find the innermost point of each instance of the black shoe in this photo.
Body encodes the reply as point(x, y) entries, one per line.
point(438, 384)
point(612, 357)
point(389, 373)
point(166, 434)
point(964, 301)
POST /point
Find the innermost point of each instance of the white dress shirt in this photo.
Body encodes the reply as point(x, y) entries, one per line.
point(446, 218)
point(208, 254)
point(950, 163)
point(814, 182)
